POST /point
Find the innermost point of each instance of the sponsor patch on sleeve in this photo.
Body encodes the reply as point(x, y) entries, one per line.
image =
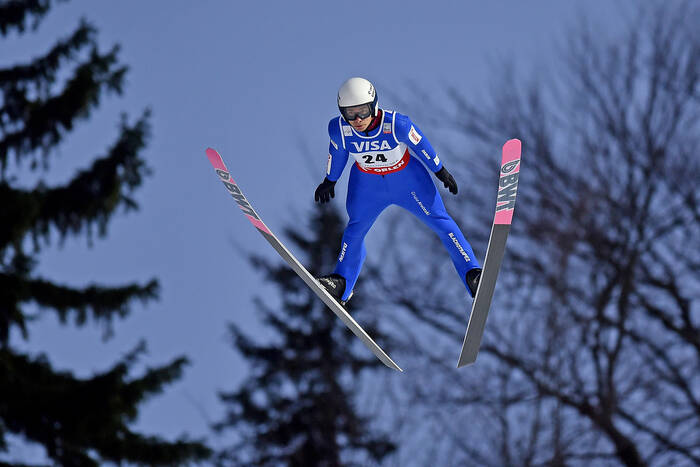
point(427, 156)
point(437, 160)
point(414, 136)
point(334, 145)
point(328, 168)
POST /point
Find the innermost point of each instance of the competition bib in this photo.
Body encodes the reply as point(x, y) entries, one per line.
point(379, 154)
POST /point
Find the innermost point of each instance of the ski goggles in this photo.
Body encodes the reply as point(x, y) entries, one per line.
point(351, 113)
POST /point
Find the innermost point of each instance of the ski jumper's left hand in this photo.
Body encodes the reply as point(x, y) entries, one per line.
point(447, 178)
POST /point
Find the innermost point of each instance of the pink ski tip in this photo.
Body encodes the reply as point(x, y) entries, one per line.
point(511, 150)
point(216, 160)
point(211, 153)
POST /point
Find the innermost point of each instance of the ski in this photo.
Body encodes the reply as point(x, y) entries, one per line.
point(507, 190)
point(314, 285)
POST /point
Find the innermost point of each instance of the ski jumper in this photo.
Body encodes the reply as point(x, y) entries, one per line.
point(387, 171)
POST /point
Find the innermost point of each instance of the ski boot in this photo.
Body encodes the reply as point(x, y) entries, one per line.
point(335, 285)
point(473, 277)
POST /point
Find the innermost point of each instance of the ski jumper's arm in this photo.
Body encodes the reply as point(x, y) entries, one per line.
point(337, 154)
point(408, 133)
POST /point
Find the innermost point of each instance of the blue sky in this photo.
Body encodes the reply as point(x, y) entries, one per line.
point(257, 81)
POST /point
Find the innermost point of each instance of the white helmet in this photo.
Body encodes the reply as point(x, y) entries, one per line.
point(357, 92)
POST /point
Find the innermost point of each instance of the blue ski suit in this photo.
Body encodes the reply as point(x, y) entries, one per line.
point(387, 171)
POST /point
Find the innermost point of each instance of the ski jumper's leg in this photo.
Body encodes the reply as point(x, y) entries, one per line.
point(415, 191)
point(367, 198)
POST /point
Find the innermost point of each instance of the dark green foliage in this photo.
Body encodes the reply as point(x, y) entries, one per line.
point(70, 416)
point(13, 13)
point(33, 116)
point(78, 421)
point(297, 406)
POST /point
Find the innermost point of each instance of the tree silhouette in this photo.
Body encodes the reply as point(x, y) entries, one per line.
point(591, 352)
point(298, 407)
point(77, 421)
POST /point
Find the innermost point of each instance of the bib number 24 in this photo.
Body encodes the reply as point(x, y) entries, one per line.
point(372, 160)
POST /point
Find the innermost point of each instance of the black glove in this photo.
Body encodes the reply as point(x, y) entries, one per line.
point(446, 178)
point(325, 191)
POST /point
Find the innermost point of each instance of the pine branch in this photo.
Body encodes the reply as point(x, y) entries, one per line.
point(90, 198)
point(14, 14)
point(98, 302)
point(42, 71)
point(78, 418)
point(46, 120)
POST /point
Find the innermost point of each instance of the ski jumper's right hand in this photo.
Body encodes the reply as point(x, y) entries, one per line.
point(325, 191)
point(447, 178)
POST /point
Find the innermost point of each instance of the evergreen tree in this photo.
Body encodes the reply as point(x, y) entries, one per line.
point(296, 408)
point(79, 421)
